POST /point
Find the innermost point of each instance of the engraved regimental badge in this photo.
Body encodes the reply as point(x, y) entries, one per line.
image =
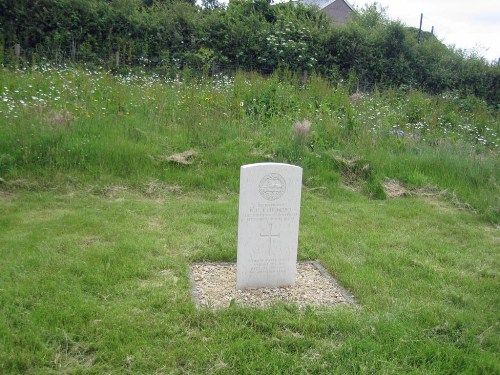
point(272, 186)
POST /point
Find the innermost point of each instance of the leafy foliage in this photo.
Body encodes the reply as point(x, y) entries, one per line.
point(247, 34)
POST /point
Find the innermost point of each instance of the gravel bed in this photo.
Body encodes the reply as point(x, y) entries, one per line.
point(214, 286)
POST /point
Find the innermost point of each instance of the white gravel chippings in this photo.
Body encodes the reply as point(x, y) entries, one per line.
point(214, 286)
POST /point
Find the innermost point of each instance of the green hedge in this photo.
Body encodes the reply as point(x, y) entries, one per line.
point(250, 35)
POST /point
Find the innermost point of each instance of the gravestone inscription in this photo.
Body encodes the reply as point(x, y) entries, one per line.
point(268, 226)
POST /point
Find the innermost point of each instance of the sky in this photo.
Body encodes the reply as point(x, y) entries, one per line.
point(471, 25)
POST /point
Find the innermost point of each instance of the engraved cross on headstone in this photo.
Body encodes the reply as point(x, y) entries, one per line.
point(270, 236)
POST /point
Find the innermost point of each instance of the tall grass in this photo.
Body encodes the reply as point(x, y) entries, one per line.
point(95, 127)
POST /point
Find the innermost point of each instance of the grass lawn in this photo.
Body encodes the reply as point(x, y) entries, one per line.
point(96, 280)
point(98, 228)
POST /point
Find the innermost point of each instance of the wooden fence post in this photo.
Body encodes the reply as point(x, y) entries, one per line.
point(73, 50)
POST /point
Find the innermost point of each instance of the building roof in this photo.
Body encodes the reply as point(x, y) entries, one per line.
point(324, 3)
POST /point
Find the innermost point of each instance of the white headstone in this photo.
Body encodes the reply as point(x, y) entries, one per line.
point(268, 226)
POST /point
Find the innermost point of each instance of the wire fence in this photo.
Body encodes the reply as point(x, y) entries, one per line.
point(117, 61)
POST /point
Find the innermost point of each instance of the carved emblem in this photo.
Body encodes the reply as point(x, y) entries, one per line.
point(272, 186)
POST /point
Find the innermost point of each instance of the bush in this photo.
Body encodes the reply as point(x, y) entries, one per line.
point(251, 35)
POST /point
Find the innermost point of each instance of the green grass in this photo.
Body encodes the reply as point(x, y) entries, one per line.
point(96, 128)
point(98, 282)
point(97, 229)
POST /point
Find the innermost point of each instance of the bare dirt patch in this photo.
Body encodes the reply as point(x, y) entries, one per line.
point(89, 241)
point(396, 189)
point(71, 354)
point(23, 184)
point(159, 280)
point(183, 158)
point(431, 194)
point(150, 190)
point(157, 189)
point(7, 196)
point(352, 170)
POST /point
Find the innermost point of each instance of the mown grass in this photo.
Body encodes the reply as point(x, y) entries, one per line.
point(97, 282)
point(98, 228)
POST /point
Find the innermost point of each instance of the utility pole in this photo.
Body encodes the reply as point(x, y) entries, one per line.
point(420, 29)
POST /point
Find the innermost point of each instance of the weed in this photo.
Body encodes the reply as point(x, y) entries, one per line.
point(301, 131)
